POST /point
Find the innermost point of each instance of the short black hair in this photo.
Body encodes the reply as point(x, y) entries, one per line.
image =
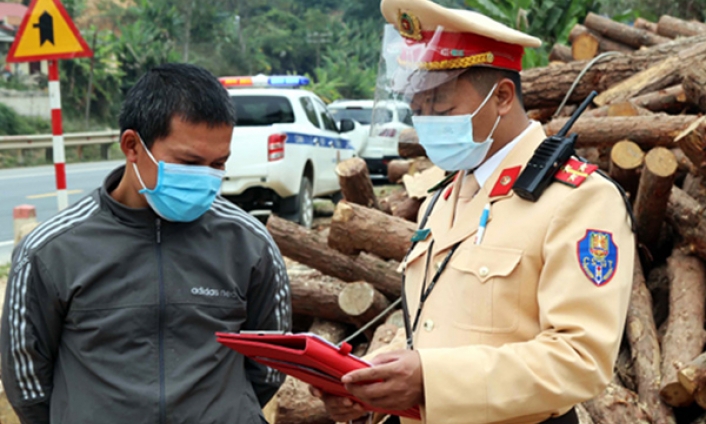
point(174, 89)
point(484, 78)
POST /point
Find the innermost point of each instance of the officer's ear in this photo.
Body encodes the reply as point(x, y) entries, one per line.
point(505, 95)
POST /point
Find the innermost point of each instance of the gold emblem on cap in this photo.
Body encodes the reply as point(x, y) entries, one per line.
point(409, 25)
point(505, 180)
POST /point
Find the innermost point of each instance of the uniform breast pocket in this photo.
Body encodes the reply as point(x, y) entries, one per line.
point(485, 289)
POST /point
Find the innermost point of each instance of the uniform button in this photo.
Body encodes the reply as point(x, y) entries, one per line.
point(428, 325)
point(437, 266)
point(484, 271)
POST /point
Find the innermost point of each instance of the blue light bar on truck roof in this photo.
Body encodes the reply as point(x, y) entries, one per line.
point(275, 81)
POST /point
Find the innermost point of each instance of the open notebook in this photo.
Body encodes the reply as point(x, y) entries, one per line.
point(306, 357)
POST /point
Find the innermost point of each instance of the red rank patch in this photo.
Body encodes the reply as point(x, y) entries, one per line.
point(575, 172)
point(505, 181)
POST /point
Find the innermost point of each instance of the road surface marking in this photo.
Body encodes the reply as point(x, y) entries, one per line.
point(45, 195)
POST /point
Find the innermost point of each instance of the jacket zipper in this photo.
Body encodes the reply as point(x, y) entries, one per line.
point(162, 301)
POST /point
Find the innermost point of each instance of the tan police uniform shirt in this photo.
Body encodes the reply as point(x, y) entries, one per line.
point(527, 323)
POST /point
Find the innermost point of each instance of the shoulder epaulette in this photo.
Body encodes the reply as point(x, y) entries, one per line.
point(574, 172)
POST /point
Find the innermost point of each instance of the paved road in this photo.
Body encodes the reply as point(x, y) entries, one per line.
point(35, 186)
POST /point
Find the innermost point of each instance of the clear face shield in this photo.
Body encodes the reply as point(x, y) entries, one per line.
point(411, 81)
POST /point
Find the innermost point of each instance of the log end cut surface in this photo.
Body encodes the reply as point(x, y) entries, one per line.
point(661, 162)
point(627, 155)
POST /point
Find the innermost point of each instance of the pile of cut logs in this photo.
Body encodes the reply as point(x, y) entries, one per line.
point(645, 129)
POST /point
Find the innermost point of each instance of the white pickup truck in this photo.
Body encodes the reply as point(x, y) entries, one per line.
point(285, 147)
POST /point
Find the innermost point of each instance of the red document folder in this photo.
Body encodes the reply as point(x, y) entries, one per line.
point(306, 357)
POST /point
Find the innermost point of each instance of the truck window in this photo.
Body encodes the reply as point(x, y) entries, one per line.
point(310, 111)
point(326, 118)
point(405, 116)
point(257, 111)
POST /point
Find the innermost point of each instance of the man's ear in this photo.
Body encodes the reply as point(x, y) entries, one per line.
point(128, 144)
point(506, 96)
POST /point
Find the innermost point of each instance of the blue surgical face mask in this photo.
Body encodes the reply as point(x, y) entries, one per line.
point(183, 192)
point(449, 142)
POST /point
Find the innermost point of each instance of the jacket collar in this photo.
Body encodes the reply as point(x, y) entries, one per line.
point(133, 217)
point(468, 219)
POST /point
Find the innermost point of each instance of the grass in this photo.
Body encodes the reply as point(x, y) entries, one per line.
point(4, 271)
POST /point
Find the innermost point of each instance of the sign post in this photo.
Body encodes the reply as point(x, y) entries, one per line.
point(47, 33)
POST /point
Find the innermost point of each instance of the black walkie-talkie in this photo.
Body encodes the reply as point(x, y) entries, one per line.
point(548, 158)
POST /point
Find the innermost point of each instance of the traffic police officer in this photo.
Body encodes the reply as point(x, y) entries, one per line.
point(516, 308)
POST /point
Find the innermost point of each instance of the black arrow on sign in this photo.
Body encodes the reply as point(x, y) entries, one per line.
point(46, 28)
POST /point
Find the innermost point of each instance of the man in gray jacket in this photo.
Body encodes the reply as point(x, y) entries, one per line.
point(112, 305)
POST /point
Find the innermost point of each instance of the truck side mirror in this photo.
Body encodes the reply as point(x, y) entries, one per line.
point(346, 125)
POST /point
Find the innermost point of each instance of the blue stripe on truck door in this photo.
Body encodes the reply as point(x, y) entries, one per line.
point(327, 142)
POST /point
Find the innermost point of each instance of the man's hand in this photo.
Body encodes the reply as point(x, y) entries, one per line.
point(339, 409)
point(394, 382)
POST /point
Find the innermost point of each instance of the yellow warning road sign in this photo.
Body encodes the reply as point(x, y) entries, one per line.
point(47, 33)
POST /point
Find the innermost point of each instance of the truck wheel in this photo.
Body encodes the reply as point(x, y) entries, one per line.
point(304, 214)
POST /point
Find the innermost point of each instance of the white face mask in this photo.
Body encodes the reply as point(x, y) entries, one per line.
point(449, 141)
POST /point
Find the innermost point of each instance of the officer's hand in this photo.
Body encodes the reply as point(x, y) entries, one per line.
point(394, 382)
point(339, 409)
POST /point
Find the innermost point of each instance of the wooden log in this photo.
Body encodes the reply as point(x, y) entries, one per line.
point(685, 337)
point(356, 185)
point(383, 336)
point(604, 44)
point(686, 215)
point(658, 285)
point(420, 164)
point(642, 336)
point(693, 378)
point(585, 46)
point(396, 318)
point(692, 141)
point(332, 331)
point(626, 160)
point(311, 249)
point(641, 23)
point(296, 405)
point(408, 145)
point(625, 369)
point(355, 228)
point(560, 53)
point(542, 115)
point(625, 34)
point(361, 302)
point(396, 169)
point(669, 26)
point(396, 196)
point(547, 87)
point(583, 415)
point(661, 75)
point(407, 209)
point(617, 405)
point(694, 84)
point(685, 164)
point(694, 186)
point(646, 131)
point(316, 295)
point(672, 99)
point(651, 201)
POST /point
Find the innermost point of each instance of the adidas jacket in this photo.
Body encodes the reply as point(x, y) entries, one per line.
point(110, 315)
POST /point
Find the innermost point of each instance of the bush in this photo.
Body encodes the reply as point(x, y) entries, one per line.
point(11, 123)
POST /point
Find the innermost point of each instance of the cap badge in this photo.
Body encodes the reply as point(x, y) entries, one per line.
point(409, 26)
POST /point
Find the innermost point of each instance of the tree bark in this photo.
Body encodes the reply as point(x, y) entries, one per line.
point(653, 193)
point(408, 145)
point(641, 23)
point(356, 185)
point(396, 196)
point(625, 34)
point(672, 99)
point(661, 75)
point(547, 87)
point(695, 86)
point(604, 44)
point(311, 249)
point(685, 164)
point(396, 318)
point(626, 160)
point(316, 295)
point(685, 336)
point(617, 405)
point(686, 215)
point(355, 228)
point(295, 405)
point(584, 416)
point(560, 53)
point(658, 285)
point(642, 336)
point(362, 303)
point(693, 378)
point(585, 46)
point(692, 141)
point(396, 169)
point(646, 131)
point(407, 209)
point(669, 26)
